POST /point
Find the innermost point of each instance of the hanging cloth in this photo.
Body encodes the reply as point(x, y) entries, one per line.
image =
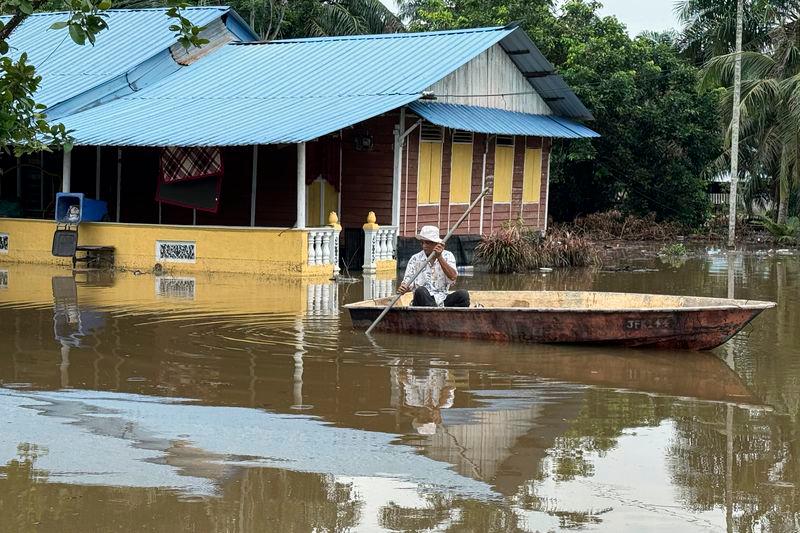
point(191, 177)
point(181, 163)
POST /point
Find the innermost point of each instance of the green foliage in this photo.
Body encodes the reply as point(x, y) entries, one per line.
point(676, 249)
point(784, 233)
point(24, 127)
point(516, 248)
point(23, 124)
point(710, 26)
point(658, 131)
point(770, 107)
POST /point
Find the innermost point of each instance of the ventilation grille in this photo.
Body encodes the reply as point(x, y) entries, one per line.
point(462, 137)
point(431, 133)
point(176, 251)
point(505, 140)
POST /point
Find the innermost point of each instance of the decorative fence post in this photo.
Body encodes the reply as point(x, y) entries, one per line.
point(333, 222)
point(371, 230)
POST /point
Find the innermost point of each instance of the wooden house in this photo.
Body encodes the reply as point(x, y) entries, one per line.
point(407, 126)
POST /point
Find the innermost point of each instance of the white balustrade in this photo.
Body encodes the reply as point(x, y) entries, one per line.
point(379, 245)
point(323, 247)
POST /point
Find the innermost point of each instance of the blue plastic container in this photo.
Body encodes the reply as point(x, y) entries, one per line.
point(74, 208)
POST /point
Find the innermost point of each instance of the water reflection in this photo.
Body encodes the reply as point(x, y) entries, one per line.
point(249, 404)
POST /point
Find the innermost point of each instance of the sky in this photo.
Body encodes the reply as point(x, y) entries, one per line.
point(637, 15)
point(641, 15)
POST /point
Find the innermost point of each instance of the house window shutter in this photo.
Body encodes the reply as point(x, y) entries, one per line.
point(503, 169)
point(429, 182)
point(532, 176)
point(461, 168)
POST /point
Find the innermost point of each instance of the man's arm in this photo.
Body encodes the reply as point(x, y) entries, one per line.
point(448, 267)
point(411, 269)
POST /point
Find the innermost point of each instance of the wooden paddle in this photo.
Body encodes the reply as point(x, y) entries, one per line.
point(431, 258)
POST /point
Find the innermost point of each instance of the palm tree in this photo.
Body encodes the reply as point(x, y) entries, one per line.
point(710, 26)
point(770, 110)
point(351, 17)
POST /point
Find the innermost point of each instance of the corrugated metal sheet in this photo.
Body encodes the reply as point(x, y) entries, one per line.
point(491, 80)
point(499, 121)
point(282, 91)
point(551, 87)
point(68, 69)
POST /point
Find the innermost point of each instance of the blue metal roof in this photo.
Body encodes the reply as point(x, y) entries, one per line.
point(499, 121)
point(282, 91)
point(298, 90)
point(68, 69)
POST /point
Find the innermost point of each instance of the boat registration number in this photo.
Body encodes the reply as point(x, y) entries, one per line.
point(649, 323)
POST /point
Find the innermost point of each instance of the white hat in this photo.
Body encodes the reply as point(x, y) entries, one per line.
point(429, 233)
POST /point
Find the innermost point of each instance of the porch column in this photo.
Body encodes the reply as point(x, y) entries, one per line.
point(547, 187)
point(253, 186)
point(66, 170)
point(399, 132)
point(301, 186)
point(97, 174)
point(119, 182)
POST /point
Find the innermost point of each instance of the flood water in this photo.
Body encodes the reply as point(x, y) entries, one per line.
point(228, 403)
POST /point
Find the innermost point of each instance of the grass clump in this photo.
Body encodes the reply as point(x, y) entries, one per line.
point(516, 248)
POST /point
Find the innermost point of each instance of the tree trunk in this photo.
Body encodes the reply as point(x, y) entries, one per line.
point(783, 204)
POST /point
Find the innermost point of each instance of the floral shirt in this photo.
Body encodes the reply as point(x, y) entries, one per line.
point(433, 277)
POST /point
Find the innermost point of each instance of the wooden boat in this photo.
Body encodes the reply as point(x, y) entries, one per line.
point(625, 319)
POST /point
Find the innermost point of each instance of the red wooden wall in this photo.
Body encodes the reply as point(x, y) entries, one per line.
point(366, 183)
point(412, 216)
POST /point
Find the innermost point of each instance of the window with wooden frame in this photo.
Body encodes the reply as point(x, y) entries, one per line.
point(429, 181)
point(461, 168)
point(532, 176)
point(503, 169)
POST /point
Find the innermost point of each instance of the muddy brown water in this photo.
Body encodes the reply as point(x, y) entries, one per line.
point(229, 403)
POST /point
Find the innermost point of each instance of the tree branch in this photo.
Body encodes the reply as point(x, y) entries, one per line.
point(16, 20)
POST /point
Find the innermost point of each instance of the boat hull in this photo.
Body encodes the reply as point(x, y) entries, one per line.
point(690, 329)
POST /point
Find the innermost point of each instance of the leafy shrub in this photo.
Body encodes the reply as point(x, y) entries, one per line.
point(788, 233)
point(676, 249)
point(515, 248)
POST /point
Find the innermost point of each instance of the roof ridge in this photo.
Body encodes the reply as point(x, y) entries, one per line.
point(130, 10)
point(376, 36)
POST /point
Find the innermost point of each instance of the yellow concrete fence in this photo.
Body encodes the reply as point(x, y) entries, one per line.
point(268, 251)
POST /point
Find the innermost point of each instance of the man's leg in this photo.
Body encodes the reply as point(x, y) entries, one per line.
point(422, 298)
point(458, 298)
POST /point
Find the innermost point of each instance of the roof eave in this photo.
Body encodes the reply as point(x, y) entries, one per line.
point(541, 75)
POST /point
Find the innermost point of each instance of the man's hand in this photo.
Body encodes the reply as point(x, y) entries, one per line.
point(403, 288)
point(437, 251)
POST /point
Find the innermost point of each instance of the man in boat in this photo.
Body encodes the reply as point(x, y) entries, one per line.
point(432, 285)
